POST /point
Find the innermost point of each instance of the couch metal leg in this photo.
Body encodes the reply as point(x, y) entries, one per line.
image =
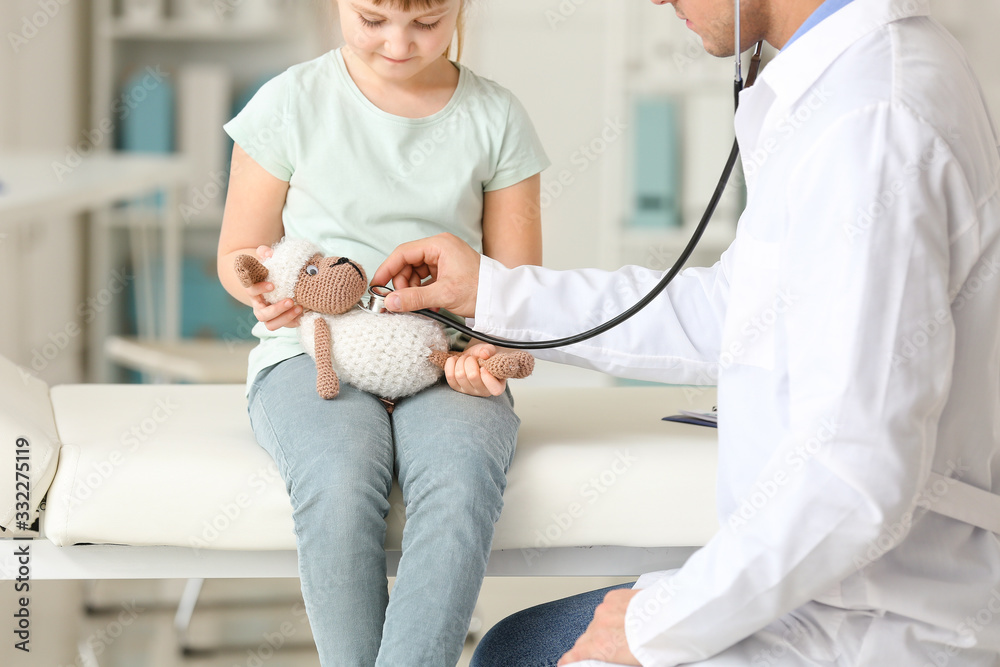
point(185, 610)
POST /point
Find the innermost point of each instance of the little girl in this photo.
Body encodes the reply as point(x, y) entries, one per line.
point(383, 141)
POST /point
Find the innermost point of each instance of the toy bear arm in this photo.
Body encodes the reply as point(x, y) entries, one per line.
point(249, 270)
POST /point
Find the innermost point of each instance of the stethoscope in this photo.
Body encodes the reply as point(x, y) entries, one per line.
point(377, 293)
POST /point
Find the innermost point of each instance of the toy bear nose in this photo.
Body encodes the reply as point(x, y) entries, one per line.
point(345, 260)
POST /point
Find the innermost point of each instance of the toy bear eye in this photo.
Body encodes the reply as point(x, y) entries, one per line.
point(312, 270)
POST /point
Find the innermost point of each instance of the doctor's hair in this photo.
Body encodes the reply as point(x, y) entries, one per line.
point(409, 5)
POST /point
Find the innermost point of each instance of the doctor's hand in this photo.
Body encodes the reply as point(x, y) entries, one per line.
point(449, 262)
point(273, 315)
point(465, 375)
point(604, 639)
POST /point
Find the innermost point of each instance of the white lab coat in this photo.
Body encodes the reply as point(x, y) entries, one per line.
point(853, 328)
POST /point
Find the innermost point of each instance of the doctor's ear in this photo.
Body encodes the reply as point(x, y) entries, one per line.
point(249, 270)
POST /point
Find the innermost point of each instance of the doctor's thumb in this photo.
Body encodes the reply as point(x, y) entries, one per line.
point(409, 298)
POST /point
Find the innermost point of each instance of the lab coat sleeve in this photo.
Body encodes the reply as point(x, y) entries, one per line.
point(675, 339)
point(871, 208)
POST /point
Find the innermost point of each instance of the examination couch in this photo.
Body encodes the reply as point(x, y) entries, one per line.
point(167, 481)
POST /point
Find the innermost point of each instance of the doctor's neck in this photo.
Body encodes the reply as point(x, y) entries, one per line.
point(786, 17)
point(774, 21)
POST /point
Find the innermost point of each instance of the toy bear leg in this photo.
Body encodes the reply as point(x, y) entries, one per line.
point(439, 358)
point(327, 382)
point(502, 365)
point(509, 365)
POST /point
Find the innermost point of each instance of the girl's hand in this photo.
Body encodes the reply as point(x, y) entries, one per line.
point(464, 374)
point(273, 315)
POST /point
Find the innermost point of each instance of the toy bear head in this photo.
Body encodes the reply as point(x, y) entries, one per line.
point(299, 271)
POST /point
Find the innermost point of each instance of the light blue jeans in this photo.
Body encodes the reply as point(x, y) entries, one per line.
point(450, 453)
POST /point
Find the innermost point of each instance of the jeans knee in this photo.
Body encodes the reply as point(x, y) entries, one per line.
point(458, 493)
point(340, 507)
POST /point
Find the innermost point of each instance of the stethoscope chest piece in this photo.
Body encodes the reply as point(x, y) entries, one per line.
point(376, 299)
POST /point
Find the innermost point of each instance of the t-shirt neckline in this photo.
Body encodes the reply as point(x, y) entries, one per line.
point(371, 107)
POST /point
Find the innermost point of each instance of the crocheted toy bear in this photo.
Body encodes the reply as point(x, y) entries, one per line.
point(390, 355)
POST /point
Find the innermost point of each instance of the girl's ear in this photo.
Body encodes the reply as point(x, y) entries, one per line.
point(249, 270)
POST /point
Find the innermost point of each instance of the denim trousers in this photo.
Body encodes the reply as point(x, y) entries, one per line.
point(539, 636)
point(450, 453)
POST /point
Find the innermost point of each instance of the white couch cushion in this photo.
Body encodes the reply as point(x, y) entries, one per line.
point(178, 465)
point(25, 417)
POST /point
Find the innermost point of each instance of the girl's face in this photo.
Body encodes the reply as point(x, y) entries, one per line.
point(397, 44)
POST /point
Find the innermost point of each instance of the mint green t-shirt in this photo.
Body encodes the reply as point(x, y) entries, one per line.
point(362, 181)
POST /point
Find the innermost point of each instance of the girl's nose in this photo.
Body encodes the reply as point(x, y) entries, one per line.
point(397, 44)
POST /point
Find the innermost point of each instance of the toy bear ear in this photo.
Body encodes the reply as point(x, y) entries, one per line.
point(249, 270)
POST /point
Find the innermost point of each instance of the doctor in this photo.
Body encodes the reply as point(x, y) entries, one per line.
point(853, 330)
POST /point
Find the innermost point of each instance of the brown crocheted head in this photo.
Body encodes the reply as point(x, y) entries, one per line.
point(329, 285)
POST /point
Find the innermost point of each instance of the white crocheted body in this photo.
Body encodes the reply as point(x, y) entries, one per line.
point(385, 354)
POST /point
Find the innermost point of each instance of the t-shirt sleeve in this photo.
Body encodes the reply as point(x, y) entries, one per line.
point(264, 127)
point(521, 153)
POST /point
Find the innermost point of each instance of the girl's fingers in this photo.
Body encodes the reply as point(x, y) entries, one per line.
point(455, 372)
point(494, 386)
point(475, 377)
point(286, 319)
point(275, 316)
point(259, 288)
point(486, 384)
point(449, 373)
point(466, 376)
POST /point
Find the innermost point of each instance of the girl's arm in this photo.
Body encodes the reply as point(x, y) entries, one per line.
point(512, 235)
point(250, 224)
point(512, 223)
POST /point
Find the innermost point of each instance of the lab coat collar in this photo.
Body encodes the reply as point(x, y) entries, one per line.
point(794, 70)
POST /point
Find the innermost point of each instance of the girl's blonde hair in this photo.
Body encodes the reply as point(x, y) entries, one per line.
point(408, 5)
